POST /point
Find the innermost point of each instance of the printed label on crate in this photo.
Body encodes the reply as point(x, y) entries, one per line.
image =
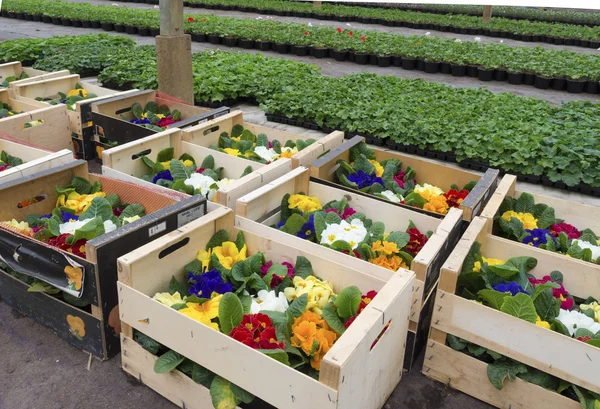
point(43, 263)
point(154, 230)
point(189, 215)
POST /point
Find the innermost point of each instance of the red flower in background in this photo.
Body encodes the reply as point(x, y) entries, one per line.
point(190, 19)
point(166, 121)
point(350, 33)
point(399, 179)
point(4, 167)
point(356, 254)
point(566, 228)
point(363, 38)
point(417, 241)
point(306, 33)
point(339, 30)
point(584, 339)
point(454, 197)
point(77, 248)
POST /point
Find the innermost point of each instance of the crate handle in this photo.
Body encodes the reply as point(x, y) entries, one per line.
point(211, 130)
point(173, 248)
point(122, 110)
point(28, 202)
point(140, 154)
point(380, 336)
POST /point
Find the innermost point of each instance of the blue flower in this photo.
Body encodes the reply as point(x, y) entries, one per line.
point(140, 121)
point(281, 224)
point(307, 232)
point(45, 216)
point(512, 288)
point(165, 174)
point(537, 237)
point(66, 217)
point(363, 180)
point(203, 285)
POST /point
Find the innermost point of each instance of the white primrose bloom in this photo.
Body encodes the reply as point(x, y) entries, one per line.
point(265, 153)
point(225, 182)
point(202, 183)
point(268, 301)
point(585, 245)
point(391, 196)
point(72, 225)
point(352, 233)
point(115, 4)
point(332, 233)
point(287, 149)
point(574, 320)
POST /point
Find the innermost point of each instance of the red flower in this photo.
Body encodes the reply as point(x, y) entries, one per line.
point(561, 293)
point(350, 321)
point(276, 280)
point(348, 211)
point(339, 30)
point(566, 228)
point(166, 121)
point(257, 331)
point(366, 300)
point(363, 38)
point(356, 254)
point(350, 33)
point(4, 167)
point(190, 19)
point(77, 248)
point(306, 33)
point(454, 198)
point(200, 170)
point(417, 241)
point(399, 179)
point(584, 339)
point(268, 339)
point(244, 336)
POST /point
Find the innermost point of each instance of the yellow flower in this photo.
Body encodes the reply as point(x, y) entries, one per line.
point(166, 165)
point(232, 152)
point(76, 202)
point(304, 203)
point(161, 116)
point(236, 138)
point(22, 226)
point(304, 333)
point(205, 312)
point(75, 92)
point(529, 222)
point(388, 248)
point(437, 204)
point(391, 263)
point(319, 292)
point(594, 306)
point(540, 323)
point(378, 168)
point(427, 191)
point(248, 153)
point(131, 219)
point(204, 257)
point(169, 299)
point(229, 254)
point(187, 163)
point(288, 152)
point(489, 261)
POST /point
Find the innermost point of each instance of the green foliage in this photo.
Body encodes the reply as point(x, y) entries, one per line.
point(501, 369)
point(167, 362)
point(347, 302)
point(231, 312)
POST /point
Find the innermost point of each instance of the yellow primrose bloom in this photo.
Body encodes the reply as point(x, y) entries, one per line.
point(131, 219)
point(229, 254)
point(288, 152)
point(540, 323)
point(236, 138)
point(232, 152)
point(169, 299)
point(161, 116)
point(166, 165)
point(489, 261)
point(378, 168)
point(205, 312)
point(76, 202)
point(204, 257)
point(305, 203)
point(187, 163)
point(318, 292)
point(428, 191)
point(388, 248)
point(23, 226)
point(74, 92)
point(437, 204)
point(594, 307)
point(529, 222)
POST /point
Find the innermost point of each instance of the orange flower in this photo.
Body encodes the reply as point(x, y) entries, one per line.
point(388, 248)
point(326, 339)
point(74, 275)
point(304, 335)
point(76, 326)
point(391, 263)
point(437, 204)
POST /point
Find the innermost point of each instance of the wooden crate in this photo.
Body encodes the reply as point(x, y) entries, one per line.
point(123, 162)
point(166, 212)
point(35, 159)
point(15, 69)
point(259, 210)
point(548, 351)
point(353, 373)
point(428, 171)
point(54, 131)
point(208, 134)
point(109, 125)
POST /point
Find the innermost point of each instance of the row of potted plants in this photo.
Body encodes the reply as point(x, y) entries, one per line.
point(340, 44)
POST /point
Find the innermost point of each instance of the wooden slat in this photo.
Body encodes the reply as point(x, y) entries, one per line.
point(33, 166)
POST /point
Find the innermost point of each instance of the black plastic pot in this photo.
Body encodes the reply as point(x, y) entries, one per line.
point(485, 75)
point(46, 19)
point(500, 75)
point(373, 59)
point(214, 39)
point(515, 78)
point(300, 50)
point(57, 21)
point(86, 23)
point(584, 43)
point(37, 17)
point(263, 45)
point(4, 13)
point(131, 29)
point(458, 70)
point(592, 87)
point(28, 17)
point(537, 38)
point(281, 48)
point(445, 68)
point(154, 32)
point(559, 41)
point(528, 79)
point(119, 28)
point(77, 23)
point(420, 65)
point(542, 82)
point(143, 31)
point(559, 84)
point(66, 22)
point(396, 61)
point(20, 16)
point(472, 71)
point(95, 24)
point(569, 41)
point(575, 86)
point(12, 14)
point(340, 55)
point(230, 41)
point(108, 26)
point(246, 44)
point(594, 44)
point(319, 52)
point(384, 60)
point(361, 58)
point(409, 63)
point(432, 67)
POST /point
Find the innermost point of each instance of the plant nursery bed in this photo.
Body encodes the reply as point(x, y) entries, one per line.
point(67, 282)
point(301, 149)
point(26, 159)
point(14, 73)
point(372, 344)
point(474, 346)
point(234, 176)
point(263, 209)
point(126, 118)
point(333, 166)
point(557, 225)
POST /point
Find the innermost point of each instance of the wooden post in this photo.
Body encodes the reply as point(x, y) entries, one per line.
point(174, 53)
point(487, 13)
point(317, 4)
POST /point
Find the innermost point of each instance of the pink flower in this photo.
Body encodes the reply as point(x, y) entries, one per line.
point(560, 293)
point(567, 228)
point(399, 178)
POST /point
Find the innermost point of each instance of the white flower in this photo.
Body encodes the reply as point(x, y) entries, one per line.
point(391, 196)
point(574, 320)
point(458, 40)
point(501, 41)
point(225, 182)
point(348, 24)
point(72, 225)
point(203, 184)
point(427, 33)
point(287, 149)
point(268, 301)
point(352, 233)
point(259, 18)
point(115, 4)
point(332, 233)
point(156, 7)
point(131, 219)
point(310, 24)
point(585, 245)
point(265, 153)
point(477, 39)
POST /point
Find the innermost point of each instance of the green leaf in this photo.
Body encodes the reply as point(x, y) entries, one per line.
point(167, 362)
point(237, 130)
point(247, 171)
point(92, 229)
point(166, 155)
point(280, 322)
point(377, 230)
point(298, 306)
point(556, 276)
point(492, 298)
point(415, 199)
point(241, 394)
point(546, 305)
point(202, 375)
point(589, 236)
point(320, 224)
point(113, 200)
point(187, 156)
point(520, 306)
point(217, 239)
point(505, 271)
point(146, 342)
point(208, 162)
point(100, 207)
point(77, 302)
point(457, 343)
point(222, 395)
point(81, 185)
point(137, 111)
point(362, 163)
point(546, 219)
point(303, 267)
point(231, 312)
point(348, 302)
point(133, 210)
point(525, 204)
point(151, 106)
point(176, 286)
point(294, 224)
point(540, 378)
point(477, 350)
point(472, 256)
point(277, 354)
point(262, 140)
point(186, 366)
point(333, 319)
point(501, 369)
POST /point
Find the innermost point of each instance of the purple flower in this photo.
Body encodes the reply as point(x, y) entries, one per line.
point(281, 224)
point(307, 232)
point(363, 180)
point(140, 121)
point(203, 285)
point(537, 237)
point(511, 287)
point(66, 217)
point(165, 174)
point(45, 216)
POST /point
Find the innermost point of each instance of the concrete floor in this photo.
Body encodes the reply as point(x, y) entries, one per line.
point(38, 369)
